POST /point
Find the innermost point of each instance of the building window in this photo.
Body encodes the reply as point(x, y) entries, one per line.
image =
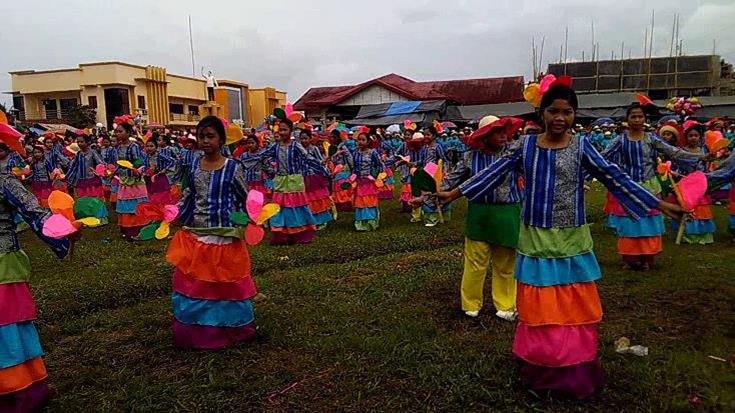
point(193, 110)
point(50, 109)
point(65, 105)
point(92, 100)
point(141, 102)
point(177, 108)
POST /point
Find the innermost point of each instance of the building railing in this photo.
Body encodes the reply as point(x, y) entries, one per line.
point(184, 117)
point(51, 115)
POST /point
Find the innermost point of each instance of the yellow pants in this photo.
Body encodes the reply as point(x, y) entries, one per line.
point(416, 215)
point(477, 255)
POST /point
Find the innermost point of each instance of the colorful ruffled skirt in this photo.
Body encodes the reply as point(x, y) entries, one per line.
point(42, 190)
point(385, 192)
point(559, 309)
point(700, 229)
point(342, 191)
point(22, 370)
point(639, 240)
point(731, 210)
point(261, 187)
point(212, 288)
point(90, 187)
point(405, 196)
point(367, 215)
point(294, 223)
point(130, 192)
point(160, 191)
point(320, 204)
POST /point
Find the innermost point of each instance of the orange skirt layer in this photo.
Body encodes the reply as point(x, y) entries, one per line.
point(640, 246)
point(342, 197)
point(366, 201)
point(293, 230)
point(21, 376)
point(320, 205)
point(702, 212)
point(573, 304)
point(131, 220)
point(208, 262)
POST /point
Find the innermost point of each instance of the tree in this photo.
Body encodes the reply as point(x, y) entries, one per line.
point(81, 116)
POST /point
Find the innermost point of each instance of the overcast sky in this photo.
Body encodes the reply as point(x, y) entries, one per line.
point(294, 45)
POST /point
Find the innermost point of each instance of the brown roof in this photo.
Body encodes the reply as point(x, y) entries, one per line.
point(464, 92)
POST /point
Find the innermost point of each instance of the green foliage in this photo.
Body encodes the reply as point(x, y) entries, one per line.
point(371, 322)
point(81, 116)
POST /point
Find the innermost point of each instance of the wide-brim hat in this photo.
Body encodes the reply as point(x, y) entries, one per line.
point(487, 124)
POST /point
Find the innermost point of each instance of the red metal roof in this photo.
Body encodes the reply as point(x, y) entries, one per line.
point(464, 92)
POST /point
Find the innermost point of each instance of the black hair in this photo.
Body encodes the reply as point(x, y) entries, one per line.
point(4, 147)
point(252, 137)
point(335, 134)
point(215, 123)
point(286, 122)
point(559, 92)
point(105, 137)
point(128, 127)
point(431, 129)
point(306, 132)
point(87, 138)
point(633, 106)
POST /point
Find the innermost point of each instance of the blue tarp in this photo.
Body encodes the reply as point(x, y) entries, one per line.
point(400, 108)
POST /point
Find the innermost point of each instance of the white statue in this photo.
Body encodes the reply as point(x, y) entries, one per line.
point(211, 84)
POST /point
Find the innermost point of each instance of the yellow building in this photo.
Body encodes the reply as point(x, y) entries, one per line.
point(116, 88)
point(263, 101)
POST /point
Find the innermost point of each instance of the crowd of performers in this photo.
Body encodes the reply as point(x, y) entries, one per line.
point(526, 224)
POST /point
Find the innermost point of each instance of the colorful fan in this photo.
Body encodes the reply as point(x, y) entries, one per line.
point(408, 125)
point(57, 178)
point(257, 213)
point(234, 134)
point(105, 172)
point(162, 217)
point(11, 137)
point(127, 165)
point(21, 173)
point(63, 221)
point(714, 141)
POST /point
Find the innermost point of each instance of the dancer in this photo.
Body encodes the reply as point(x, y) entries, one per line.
point(636, 152)
point(211, 282)
point(130, 188)
point(491, 229)
point(40, 177)
point(294, 223)
point(699, 227)
point(556, 269)
point(367, 167)
point(81, 176)
point(432, 152)
point(256, 167)
point(316, 183)
point(158, 165)
point(410, 156)
point(22, 370)
point(342, 191)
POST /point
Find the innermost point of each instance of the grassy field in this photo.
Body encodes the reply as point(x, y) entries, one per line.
point(371, 322)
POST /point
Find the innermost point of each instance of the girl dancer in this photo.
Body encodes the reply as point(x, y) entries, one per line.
point(637, 152)
point(211, 282)
point(256, 167)
point(556, 269)
point(316, 183)
point(81, 174)
point(158, 165)
point(294, 223)
point(130, 188)
point(367, 165)
point(341, 185)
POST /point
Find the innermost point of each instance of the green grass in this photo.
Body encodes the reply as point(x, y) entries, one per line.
point(371, 322)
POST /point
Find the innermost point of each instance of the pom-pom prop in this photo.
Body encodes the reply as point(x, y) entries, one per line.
point(684, 106)
point(162, 217)
point(21, 173)
point(11, 137)
point(408, 125)
point(428, 179)
point(257, 213)
point(715, 141)
point(63, 221)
